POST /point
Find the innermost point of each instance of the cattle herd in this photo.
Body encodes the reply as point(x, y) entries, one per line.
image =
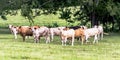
point(65, 33)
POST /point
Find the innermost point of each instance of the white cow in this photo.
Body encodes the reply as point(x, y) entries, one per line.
point(67, 34)
point(55, 32)
point(41, 32)
point(91, 32)
point(100, 28)
point(13, 30)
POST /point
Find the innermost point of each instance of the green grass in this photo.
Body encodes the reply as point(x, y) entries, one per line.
point(16, 49)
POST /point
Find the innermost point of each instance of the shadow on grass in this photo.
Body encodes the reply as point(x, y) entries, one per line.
point(22, 57)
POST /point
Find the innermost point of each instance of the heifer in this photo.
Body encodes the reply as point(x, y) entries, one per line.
point(79, 32)
point(41, 32)
point(100, 28)
point(54, 31)
point(91, 32)
point(13, 30)
point(24, 31)
point(67, 34)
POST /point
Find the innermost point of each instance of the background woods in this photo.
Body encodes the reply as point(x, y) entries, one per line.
point(95, 12)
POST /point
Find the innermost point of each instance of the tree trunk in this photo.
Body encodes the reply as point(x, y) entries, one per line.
point(119, 28)
point(93, 19)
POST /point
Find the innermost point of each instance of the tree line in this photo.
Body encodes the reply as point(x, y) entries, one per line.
point(105, 12)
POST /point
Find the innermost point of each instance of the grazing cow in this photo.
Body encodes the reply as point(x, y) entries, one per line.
point(79, 32)
point(67, 34)
point(13, 30)
point(91, 32)
point(54, 31)
point(41, 32)
point(24, 31)
point(100, 28)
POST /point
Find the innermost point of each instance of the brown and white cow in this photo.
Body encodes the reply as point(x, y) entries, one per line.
point(65, 34)
point(13, 30)
point(24, 31)
point(41, 32)
point(79, 32)
point(54, 32)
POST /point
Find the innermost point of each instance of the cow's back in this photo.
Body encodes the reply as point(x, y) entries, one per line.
point(91, 31)
point(79, 32)
point(25, 30)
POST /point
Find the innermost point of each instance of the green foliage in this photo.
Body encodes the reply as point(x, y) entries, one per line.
point(3, 17)
point(52, 25)
point(94, 11)
point(65, 14)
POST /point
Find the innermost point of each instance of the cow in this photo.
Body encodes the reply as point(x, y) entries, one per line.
point(100, 28)
point(25, 31)
point(41, 32)
point(54, 32)
point(13, 30)
point(91, 32)
point(79, 32)
point(65, 34)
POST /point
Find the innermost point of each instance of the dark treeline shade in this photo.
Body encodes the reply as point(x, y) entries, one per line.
point(105, 12)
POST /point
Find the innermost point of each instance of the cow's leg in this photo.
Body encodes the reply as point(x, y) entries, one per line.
point(34, 40)
point(47, 39)
point(38, 40)
point(95, 39)
point(72, 40)
point(82, 38)
point(65, 40)
point(101, 35)
point(86, 38)
point(52, 36)
point(62, 42)
point(79, 38)
point(15, 35)
point(23, 38)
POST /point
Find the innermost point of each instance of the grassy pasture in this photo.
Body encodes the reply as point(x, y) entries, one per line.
point(15, 49)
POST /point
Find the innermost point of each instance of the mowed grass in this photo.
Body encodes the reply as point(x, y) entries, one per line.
point(16, 49)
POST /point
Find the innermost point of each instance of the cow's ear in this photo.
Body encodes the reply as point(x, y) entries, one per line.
point(35, 28)
point(29, 27)
point(14, 27)
point(19, 26)
point(80, 26)
point(83, 27)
